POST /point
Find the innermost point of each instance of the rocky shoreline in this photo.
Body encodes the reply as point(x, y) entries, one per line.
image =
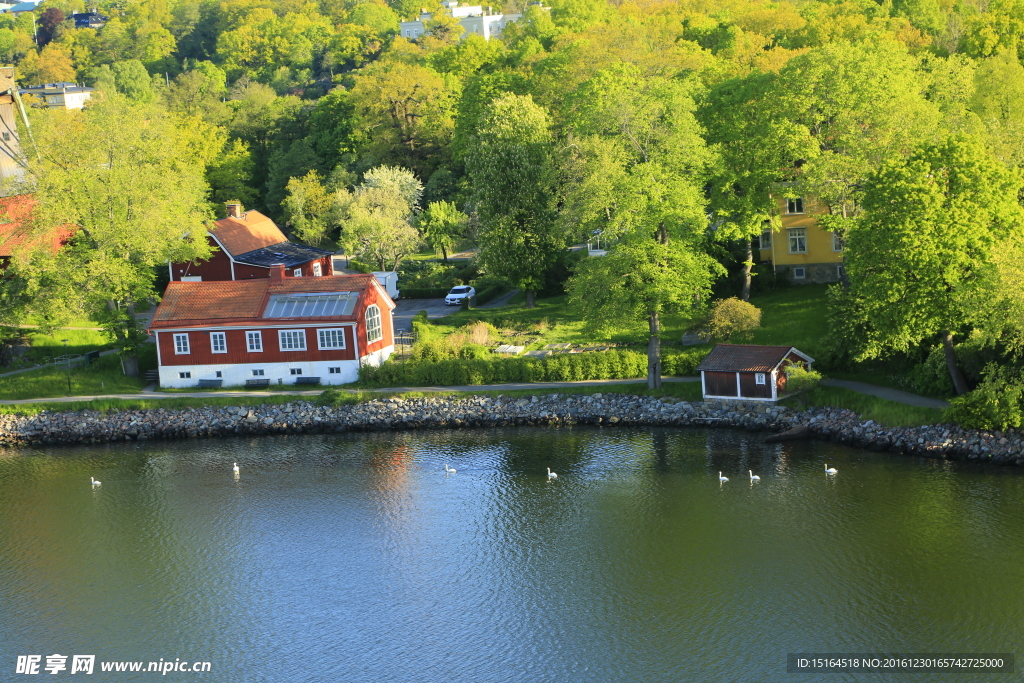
point(304, 417)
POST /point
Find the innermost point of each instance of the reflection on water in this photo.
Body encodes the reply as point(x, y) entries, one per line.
point(357, 558)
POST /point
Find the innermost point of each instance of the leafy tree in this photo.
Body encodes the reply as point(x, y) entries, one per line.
point(377, 218)
point(47, 24)
point(442, 224)
point(52, 65)
point(512, 173)
point(921, 259)
point(133, 81)
point(130, 178)
point(307, 208)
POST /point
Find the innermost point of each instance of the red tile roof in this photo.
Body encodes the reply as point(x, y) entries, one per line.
point(247, 233)
point(242, 302)
point(747, 358)
point(17, 234)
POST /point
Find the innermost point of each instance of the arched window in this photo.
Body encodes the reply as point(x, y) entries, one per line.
point(373, 328)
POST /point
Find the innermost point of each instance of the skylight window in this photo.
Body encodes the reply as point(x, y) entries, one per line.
point(311, 305)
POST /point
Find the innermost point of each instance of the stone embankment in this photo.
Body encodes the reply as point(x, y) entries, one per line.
point(303, 417)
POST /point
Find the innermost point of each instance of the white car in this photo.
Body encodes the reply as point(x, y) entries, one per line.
point(459, 293)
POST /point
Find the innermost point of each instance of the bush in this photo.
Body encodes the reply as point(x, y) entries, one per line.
point(733, 318)
point(994, 404)
point(496, 369)
point(424, 292)
point(799, 378)
point(682, 362)
point(360, 267)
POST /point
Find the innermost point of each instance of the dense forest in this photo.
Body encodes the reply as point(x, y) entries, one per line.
point(665, 127)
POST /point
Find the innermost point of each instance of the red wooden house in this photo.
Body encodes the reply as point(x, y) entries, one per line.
point(16, 233)
point(279, 330)
point(245, 245)
point(746, 372)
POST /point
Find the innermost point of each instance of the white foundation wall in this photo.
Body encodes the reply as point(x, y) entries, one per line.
point(379, 356)
point(236, 375)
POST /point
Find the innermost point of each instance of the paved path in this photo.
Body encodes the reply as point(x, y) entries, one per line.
point(887, 393)
point(147, 393)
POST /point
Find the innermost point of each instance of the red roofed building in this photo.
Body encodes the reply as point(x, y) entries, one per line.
point(16, 233)
point(276, 330)
point(747, 372)
point(245, 245)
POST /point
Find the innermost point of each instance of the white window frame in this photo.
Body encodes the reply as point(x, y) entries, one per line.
point(318, 271)
point(297, 272)
point(181, 345)
point(219, 374)
point(295, 371)
point(838, 244)
point(187, 374)
point(800, 273)
point(374, 332)
point(222, 337)
point(258, 372)
point(765, 240)
point(337, 332)
point(795, 203)
point(282, 334)
point(257, 336)
point(334, 371)
point(840, 271)
point(797, 238)
point(759, 378)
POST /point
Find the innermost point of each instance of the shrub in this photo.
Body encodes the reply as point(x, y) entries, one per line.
point(994, 404)
point(799, 378)
point(733, 318)
point(359, 266)
point(682, 362)
point(491, 369)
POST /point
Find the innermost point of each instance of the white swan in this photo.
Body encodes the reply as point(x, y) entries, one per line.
point(721, 478)
point(552, 475)
point(753, 477)
point(830, 470)
point(449, 470)
point(94, 482)
point(236, 468)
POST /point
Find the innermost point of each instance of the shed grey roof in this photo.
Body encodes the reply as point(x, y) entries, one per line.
point(748, 358)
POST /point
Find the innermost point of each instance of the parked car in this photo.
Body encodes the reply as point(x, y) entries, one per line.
point(459, 293)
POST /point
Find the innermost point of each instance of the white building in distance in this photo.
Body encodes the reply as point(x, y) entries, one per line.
point(60, 95)
point(475, 20)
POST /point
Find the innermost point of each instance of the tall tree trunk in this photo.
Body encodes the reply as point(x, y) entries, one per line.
point(130, 364)
point(747, 267)
point(444, 254)
point(654, 351)
point(959, 382)
point(531, 298)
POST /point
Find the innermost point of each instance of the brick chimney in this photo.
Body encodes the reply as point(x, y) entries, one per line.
point(277, 271)
point(234, 210)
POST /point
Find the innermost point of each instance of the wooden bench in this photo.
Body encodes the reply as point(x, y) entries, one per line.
point(210, 383)
point(307, 380)
point(257, 382)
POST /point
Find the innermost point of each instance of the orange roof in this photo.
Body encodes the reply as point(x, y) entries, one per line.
point(242, 302)
point(251, 231)
point(17, 233)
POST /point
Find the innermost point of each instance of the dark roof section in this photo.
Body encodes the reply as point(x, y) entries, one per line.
point(285, 253)
point(747, 358)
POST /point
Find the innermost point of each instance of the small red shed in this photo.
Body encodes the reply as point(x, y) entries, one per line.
point(747, 372)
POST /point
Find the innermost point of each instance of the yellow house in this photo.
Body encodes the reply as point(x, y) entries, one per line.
point(800, 250)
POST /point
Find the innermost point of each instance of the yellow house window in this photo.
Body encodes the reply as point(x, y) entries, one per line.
point(795, 205)
point(797, 240)
point(766, 240)
point(837, 242)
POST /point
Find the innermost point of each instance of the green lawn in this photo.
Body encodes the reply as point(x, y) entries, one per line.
point(887, 413)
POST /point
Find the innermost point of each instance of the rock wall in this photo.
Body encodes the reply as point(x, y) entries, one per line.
point(303, 417)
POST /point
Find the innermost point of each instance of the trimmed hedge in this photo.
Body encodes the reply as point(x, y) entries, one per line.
point(682, 362)
point(567, 367)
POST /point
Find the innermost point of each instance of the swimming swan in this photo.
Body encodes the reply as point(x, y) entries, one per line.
point(830, 470)
point(753, 477)
point(449, 470)
point(236, 468)
point(721, 478)
point(94, 482)
point(552, 475)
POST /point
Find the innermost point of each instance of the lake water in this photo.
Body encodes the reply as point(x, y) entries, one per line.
point(355, 558)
